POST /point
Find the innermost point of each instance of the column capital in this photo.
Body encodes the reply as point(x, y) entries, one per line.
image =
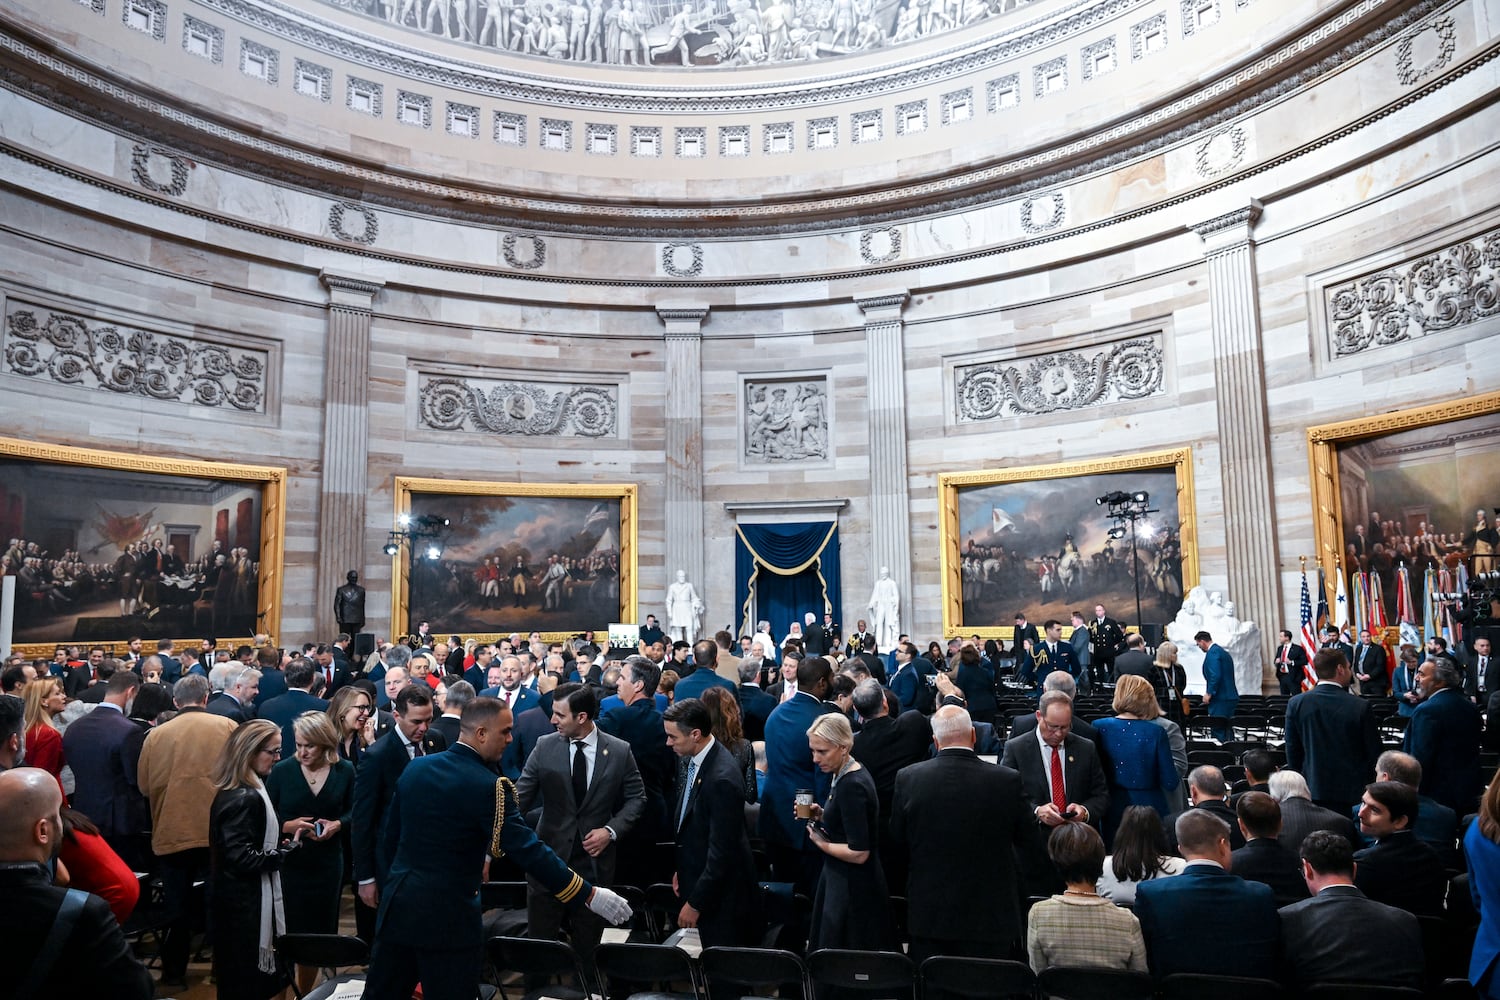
point(348, 291)
point(883, 306)
point(683, 319)
point(1231, 228)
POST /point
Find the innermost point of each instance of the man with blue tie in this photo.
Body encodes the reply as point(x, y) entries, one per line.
point(1220, 695)
point(1370, 667)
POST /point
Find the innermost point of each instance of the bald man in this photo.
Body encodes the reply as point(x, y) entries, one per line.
point(73, 944)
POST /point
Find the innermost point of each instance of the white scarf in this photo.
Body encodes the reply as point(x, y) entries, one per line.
point(272, 916)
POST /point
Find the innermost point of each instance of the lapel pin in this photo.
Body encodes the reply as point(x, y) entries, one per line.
point(1070, 758)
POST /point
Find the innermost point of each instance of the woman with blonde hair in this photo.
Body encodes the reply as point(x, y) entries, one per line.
point(1137, 753)
point(45, 701)
point(1169, 680)
point(247, 851)
point(313, 793)
point(350, 712)
point(851, 906)
point(1177, 794)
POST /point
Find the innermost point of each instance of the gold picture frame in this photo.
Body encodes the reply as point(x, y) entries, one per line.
point(1324, 441)
point(410, 491)
point(1177, 461)
point(271, 480)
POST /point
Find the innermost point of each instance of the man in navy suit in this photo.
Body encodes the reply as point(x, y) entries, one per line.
point(705, 676)
point(516, 696)
point(906, 679)
point(755, 705)
point(375, 785)
point(237, 700)
point(639, 723)
point(107, 793)
point(1399, 870)
point(430, 928)
point(171, 669)
point(1330, 735)
point(272, 680)
point(1220, 693)
point(1369, 665)
point(714, 873)
point(1207, 920)
point(789, 767)
point(283, 708)
point(1444, 736)
point(1290, 660)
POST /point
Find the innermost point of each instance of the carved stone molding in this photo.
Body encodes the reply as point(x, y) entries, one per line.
point(340, 212)
point(146, 165)
point(682, 260)
point(1452, 287)
point(1220, 224)
point(538, 251)
point(518, 408)
point(1220, 152)
point(1444, 42)
point(785, 420)
point(880, 246)
point(1069, 380)
point(66, 349)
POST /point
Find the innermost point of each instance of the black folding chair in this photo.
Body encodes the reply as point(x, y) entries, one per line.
point(1095, 984)
point(639, 970)
point(976, 979)
point(553, 961)
point(1360, 991)
point(885, 975)
point(1193, 986)
point(326, 952)
point(1217, 758)
point(757, 970)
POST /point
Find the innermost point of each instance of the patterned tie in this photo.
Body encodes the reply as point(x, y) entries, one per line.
point(580, 772)
point(1059, 798)
point(687, 792)
point(416, 749)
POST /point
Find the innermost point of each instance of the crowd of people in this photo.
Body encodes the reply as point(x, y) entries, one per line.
point(1057, 774)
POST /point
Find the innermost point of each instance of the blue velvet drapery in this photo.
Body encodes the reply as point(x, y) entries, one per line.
point(788, 570)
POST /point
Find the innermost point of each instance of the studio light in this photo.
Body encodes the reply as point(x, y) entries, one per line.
point(423, 534)
point(1128, 509)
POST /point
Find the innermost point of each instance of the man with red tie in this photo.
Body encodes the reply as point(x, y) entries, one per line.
point(512, 693)
point(1291, 663)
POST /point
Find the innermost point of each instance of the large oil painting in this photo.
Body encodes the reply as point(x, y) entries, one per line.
point(1034, 540)
point(1418, 489)
point(105, 546)
point(518, 557)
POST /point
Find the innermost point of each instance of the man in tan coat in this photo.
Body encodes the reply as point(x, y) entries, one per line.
point(175, 773)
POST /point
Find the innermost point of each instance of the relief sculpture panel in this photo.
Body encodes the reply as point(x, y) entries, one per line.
point(786, 420)
point(515, 407)
point(1064, 380)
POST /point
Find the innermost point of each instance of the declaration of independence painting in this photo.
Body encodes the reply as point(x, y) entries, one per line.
point(515, 560)
point(1035, 541)
point(105, 547)
point(1426, 498)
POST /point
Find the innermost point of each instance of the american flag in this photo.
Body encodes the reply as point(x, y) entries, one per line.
point(1309, 638)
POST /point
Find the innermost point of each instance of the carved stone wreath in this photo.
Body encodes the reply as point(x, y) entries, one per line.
point(538, 252)
point(140, 169)
point(1131, 369)
point(340, 209)
point(669, 260)
point(1447, 40)
point(1220, 152)
point(65, 349)
point(527, 409)
point(866, 245)
point(1449, 288)
point(1029, 211)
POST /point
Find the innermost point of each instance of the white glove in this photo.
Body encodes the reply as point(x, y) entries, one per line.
point(610, 905)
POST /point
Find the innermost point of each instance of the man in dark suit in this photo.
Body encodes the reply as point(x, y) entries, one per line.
point(1207, 920)
point(1108, 639)
point(814, 639)
point(872, 662)
point(93, 959)
point(284, 708)
point(1369, 666)
point(755, 705)
point(591, 795)
point(1333, 639)
point(515, 694)
point(1208, 793)
point(335, 670)
point(1299, 817)
point(789, 767)
point(449, 724)
point(956, 807)
point(237, 700)
point(1399, 870)
point(1022, 633)
point(375, 784)
point(1330, 735)
point(1290, 661)
point(272, 680)
point(171, 668)
point(858, 638)
point(1058, 680)
point(107, 794)
point(1263, 858)
point(1062, 779)
point(1444, 735)
point(714, 873)
point(1436, 825)
point(430, 926)
point(1340, 935)
point(884, 745)
point(1221, 696)
point(907, 680)
point(706, 657)
point(1135, 660)
point(531, 725)
point(639, 723)
point(1482, 674)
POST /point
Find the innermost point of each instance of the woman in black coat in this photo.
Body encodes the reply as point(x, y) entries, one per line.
point(246, 850)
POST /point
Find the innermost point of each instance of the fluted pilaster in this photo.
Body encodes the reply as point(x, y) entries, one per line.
point(684, 440)
point(890, 505)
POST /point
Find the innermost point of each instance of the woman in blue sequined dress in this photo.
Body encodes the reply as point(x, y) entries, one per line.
point(1138, 757)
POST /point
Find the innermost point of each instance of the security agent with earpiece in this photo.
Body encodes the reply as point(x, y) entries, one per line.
point(429, 927)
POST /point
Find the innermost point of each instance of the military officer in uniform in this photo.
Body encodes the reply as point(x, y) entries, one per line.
point(429, 927)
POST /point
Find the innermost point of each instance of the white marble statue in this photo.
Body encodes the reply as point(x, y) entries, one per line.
point(684, 610)
point(1205, 612)
point(885, 612)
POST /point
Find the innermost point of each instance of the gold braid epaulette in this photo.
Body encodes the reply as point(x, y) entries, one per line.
point(501, 786)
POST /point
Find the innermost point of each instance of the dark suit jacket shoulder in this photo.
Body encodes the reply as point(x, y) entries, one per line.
point(715, 870)
point(1190, 920)
point(374, 786)
point(1331, 740)
point(1403, 872)
point(888, 743)
point(1266, 861)
point(1340, 935)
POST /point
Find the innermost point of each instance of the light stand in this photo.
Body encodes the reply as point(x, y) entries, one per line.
point(424, 535)
point(1131, 507)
